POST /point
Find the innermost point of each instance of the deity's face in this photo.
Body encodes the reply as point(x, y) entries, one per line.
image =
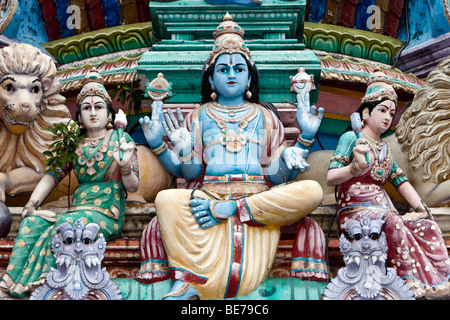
point(94, 113)
point(381, 117)
point(230, 78)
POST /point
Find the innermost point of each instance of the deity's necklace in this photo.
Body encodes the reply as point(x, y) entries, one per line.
point(231, 110)
point(233, 141)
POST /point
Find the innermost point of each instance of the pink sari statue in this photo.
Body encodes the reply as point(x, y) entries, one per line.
point(361, 165)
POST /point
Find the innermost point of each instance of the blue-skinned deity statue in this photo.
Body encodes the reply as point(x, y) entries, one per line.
point(218, 238)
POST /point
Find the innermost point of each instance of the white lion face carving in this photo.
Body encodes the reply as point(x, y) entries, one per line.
point(21, 98)
point(30, 102)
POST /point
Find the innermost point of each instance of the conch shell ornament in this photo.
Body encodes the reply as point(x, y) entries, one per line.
point(302, 81)
point(158, 89)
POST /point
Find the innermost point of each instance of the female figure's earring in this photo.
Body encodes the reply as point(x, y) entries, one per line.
point(109, 125)
point(363, 121)
point(80, 124)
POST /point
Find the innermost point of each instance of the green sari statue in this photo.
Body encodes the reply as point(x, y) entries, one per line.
point(103, 179)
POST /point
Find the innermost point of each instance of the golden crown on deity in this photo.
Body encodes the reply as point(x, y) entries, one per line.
point(228, 38)
point(379, 87)
point(93, 85)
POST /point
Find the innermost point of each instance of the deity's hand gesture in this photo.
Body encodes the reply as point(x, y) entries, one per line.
point(295, 158)
point(180, 137)
point(308, 117)
point(153, 128)
point(127, 149)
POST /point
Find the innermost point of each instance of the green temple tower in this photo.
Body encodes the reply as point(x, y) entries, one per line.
point(183, 37)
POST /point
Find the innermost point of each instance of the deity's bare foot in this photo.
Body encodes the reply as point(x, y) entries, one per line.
point(182, 291)
point(209, 213)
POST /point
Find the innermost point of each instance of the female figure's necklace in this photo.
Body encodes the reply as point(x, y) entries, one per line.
point(95, 140)
point(380, 169)
point(378, 144)
point(92, 158)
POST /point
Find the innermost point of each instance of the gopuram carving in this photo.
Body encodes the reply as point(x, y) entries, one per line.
point(78, 274)
point(365, 276)
point(7, 10)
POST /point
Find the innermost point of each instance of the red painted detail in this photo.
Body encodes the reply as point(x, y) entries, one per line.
point(51, 22)
point(94, 13)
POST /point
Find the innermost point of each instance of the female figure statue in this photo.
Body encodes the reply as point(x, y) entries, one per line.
point(104, 176)
point(220, 241)
point(415, 245)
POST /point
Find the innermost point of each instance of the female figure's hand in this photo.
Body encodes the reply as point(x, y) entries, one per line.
point(359, 152)
point(127, 149)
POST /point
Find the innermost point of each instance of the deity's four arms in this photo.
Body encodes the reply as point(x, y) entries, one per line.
point(231, 149)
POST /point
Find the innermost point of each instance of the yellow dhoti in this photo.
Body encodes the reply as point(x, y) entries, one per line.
point(235, 256)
